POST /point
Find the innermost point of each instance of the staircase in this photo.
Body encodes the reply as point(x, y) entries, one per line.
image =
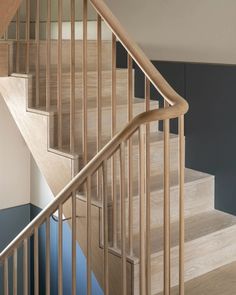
point(117, 175)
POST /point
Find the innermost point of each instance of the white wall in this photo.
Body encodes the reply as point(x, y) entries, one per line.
point(21, 182)
point(181, 30)
point(14, 162)
point(40, 192)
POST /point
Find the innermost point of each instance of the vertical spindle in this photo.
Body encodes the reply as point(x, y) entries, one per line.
point(25, 267)
point(48, 64)
point(147, 185)
point(60, 245)
point(59, 74)
point(113, 132)
point(72, 77)
point(6, 277)
point(181, 204)
point(18, 41)
point(27, 37)
point(73, 252)
point(85, 82)
point(48, 256)
point(37, 58)
point(130, 154)
point(89, 235)
point(36, 262)
point(123, 218)
point(167, 276)
point(15, 269)
point(142, 212)
point(105, 230)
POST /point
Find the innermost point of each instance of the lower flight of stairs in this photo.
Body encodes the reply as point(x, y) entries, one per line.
point(210, 234)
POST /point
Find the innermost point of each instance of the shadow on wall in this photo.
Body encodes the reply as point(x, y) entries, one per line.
point(67, 258)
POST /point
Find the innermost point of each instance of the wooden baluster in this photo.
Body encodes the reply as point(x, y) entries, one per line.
point(15, 269)
point(148, 204)
point(113, 132)
point(99, 97)
point(48, 256)
point(60, 245)
point(89, 236)
point(181, 204)
point(130, 154)
point(48, 64)
point(25, 267)
point(37, 59)
point(72, 77)
point(27, 37)
point(85, 82)
point(73, 252)
point(18, 41)
point(59, 74)
point(142, 212)
point(36, 262)
point(167, 275)
point(123, 218)
point(105, 230)
point(6, 277)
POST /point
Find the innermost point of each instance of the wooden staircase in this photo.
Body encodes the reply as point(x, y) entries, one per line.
point(210, 235)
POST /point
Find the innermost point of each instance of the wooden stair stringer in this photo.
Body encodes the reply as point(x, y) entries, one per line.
point(57, 167)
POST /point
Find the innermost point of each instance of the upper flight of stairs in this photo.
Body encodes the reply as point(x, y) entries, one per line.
point(210, 234)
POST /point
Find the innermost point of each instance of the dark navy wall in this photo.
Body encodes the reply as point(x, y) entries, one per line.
point(210, 126)
point(12, 221)
point(67, 259)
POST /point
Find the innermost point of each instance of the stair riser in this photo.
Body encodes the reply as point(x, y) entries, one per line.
point(199, 197)
point(156, 164)
point(121, 86)
point(92, 54)
point(121, 121)
point(201, 256)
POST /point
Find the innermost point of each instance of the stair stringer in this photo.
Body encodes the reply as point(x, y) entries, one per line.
point(57, 167)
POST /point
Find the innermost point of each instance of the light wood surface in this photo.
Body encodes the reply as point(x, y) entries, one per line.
point(199, 191)
point(65, 54)
point(34, 128)
point(6, 58)
point(7, 11)
point(212, 244)
point(221, 281)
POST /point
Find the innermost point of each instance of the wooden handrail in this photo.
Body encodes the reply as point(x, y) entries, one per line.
point(174, 107)
point(90, 168)
point(158, 81)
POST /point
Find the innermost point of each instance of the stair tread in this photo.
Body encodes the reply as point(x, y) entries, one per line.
point(191, 176)
point(195, 227)
point(92, 104)
point(221, 281)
